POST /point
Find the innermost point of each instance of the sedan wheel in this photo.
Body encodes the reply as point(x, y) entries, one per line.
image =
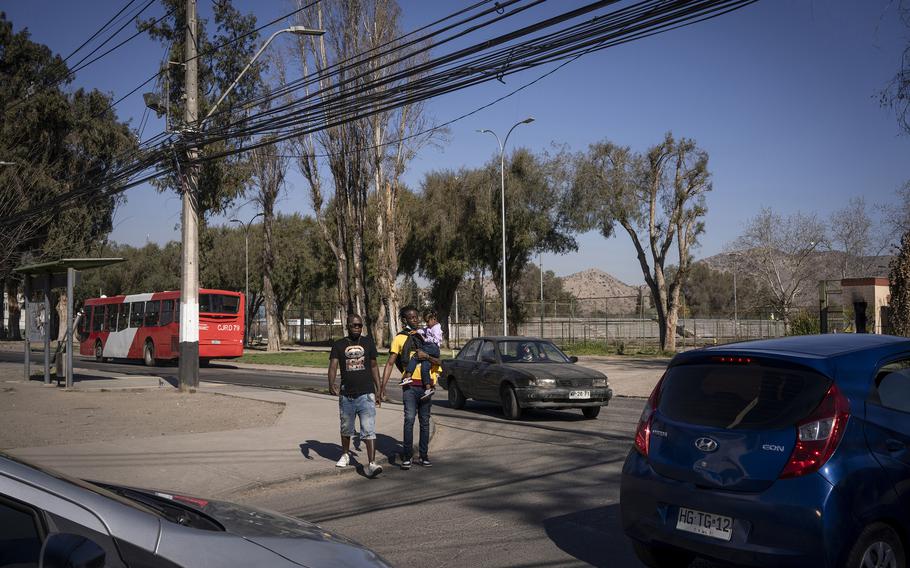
point(510, 406)
point(877, 547)
point(590, 412)
point(456, 397)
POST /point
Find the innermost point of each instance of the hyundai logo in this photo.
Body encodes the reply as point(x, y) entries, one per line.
point(706, 444)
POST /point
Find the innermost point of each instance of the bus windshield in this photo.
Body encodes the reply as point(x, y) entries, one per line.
point(218, 304)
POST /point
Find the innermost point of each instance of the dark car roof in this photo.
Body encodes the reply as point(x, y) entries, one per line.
point(824, 353)
point(827, 345)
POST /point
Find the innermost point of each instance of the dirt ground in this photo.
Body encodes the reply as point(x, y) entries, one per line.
point(34, 415)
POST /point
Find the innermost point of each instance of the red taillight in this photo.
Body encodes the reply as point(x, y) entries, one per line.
point(818, 435)
point(643, 432)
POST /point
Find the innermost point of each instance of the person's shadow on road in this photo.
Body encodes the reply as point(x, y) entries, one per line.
point(324, 450)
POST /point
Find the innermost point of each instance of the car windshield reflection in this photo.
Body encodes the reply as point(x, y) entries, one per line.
point(529, 351)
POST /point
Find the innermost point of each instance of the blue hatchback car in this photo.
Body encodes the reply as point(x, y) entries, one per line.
point(782, 452)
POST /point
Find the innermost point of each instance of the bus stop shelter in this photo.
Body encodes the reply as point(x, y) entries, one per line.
point(45, 276)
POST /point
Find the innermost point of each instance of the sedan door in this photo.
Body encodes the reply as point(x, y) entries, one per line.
point(462, 368)
point(487, 373)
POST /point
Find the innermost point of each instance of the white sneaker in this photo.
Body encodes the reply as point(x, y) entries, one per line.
point(405, 381)
point(345, 460)
point(373, 469)
point(428, 393)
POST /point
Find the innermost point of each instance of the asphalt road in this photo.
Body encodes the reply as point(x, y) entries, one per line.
point(542, 491)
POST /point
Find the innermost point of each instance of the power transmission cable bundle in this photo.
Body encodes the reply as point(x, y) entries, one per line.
point(337, 105)
point(354, 93)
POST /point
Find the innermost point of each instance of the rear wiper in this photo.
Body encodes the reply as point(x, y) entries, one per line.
point(745, 411)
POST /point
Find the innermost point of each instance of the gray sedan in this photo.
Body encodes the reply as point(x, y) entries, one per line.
point(55, 520)
point(523, 372)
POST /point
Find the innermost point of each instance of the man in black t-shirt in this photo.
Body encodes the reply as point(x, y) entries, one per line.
point(356, 355)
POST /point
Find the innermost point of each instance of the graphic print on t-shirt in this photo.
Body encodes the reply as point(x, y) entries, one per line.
point(355, 358)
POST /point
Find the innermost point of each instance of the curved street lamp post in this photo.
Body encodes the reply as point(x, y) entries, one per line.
point(246, 270)
point(502, 173)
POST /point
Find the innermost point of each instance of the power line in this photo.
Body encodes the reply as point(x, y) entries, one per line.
point(100, 30)
point(70, 73)
point(469, 66)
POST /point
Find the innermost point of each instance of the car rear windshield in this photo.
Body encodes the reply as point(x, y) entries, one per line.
point(750, 396)
point(218, 304)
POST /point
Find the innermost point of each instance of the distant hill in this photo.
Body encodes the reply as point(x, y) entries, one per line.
point(594, 283)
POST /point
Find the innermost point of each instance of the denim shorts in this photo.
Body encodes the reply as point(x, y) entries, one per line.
point(363, 406)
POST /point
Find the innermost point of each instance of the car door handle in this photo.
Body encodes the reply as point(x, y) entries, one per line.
point(895, 445)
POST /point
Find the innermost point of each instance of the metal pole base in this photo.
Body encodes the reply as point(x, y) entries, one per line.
point(188, 366)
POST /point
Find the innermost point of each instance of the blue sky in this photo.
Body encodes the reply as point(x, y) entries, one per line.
point(782, 95)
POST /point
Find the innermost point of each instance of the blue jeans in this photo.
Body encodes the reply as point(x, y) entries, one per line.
point(430, 349)
point(416, 407)
point(364, 406)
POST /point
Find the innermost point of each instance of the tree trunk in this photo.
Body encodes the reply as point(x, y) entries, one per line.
point(13, 309)
point(271, 316)
point(672, 320)
point(271, 309)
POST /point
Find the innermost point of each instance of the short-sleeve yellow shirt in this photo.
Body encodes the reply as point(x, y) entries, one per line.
point(398, 344)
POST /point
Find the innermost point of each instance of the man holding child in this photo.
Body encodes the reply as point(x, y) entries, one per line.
point(417, 385)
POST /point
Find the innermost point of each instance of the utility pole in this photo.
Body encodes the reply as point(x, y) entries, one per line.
point(188, 370)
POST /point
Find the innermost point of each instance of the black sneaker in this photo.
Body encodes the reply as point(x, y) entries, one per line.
point(406, 463)
point(425, 462)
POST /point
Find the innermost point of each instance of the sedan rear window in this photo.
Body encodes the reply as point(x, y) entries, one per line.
point(741, 396)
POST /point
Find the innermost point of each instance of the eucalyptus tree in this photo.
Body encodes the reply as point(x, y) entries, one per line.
point(535, 221)
point(658, 198)
point(364, 157)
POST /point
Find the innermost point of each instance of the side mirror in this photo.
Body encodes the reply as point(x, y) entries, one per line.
point(488, 359)
point(62, 550)
point(573, 359)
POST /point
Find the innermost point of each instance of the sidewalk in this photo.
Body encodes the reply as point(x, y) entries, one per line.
point(301, 442)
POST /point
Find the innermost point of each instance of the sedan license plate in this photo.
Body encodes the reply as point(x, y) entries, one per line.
point(699, 522)
point(216, 342)
point(579, 394)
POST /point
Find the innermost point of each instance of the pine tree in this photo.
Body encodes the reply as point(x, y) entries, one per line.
point(900, 289)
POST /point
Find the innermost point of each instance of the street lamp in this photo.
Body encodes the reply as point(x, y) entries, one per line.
point(296, 30)
point(246, 269)
point(502, 172)
point(540, 261)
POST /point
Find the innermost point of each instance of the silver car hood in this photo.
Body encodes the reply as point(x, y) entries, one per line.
point(297, 540)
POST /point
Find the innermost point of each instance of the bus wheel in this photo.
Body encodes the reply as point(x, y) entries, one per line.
point(99, 352)
point(148, 354)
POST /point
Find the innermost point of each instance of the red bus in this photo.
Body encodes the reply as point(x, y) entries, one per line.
point(147, 326)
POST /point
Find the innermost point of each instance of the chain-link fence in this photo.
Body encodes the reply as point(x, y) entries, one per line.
point(628, 321)
point(620, 321)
